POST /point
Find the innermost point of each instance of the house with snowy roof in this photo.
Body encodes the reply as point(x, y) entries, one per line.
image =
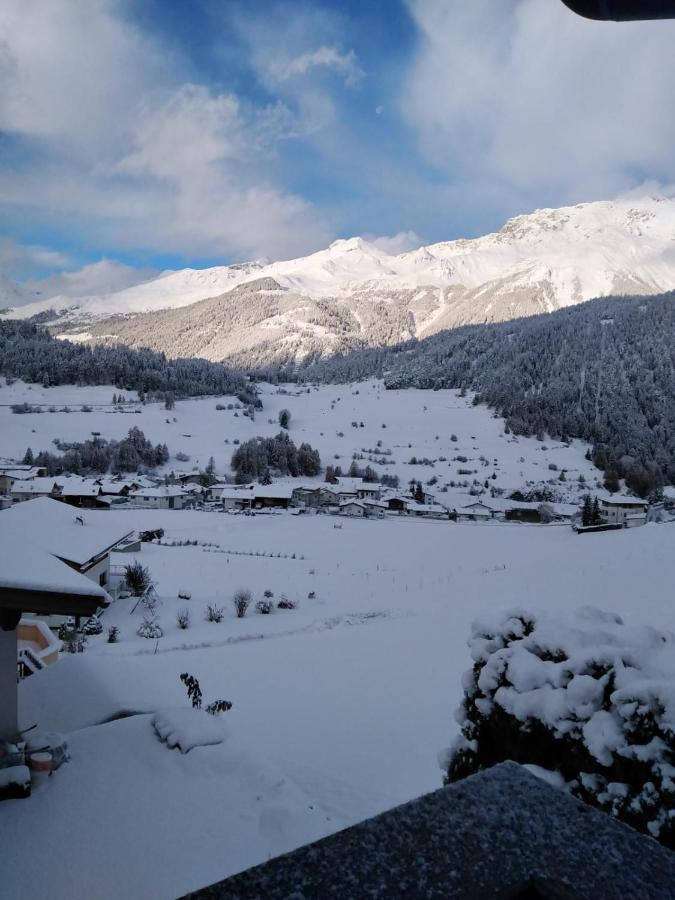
point(34, 580)
point(307, 495)
point(362, 489)
point(427, 510)
point(626, 512)
point(354, 508)
point(398, 502)
point(76, 491)
point(83, 541)
point(31, 488)
point(22, 471)
point(478, 511)
point(171, 496)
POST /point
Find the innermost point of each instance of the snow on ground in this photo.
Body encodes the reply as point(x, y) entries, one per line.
point(340, 706)
point(410, 423)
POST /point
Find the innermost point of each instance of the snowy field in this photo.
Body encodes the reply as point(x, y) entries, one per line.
point(409, 423)
point(341, 706)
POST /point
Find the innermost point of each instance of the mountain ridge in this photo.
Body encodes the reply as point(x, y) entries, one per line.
point(354, 294)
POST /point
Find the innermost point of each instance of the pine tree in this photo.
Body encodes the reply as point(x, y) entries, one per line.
point(612, 483)
point(587, 511)
point(28, 459)
point(419, 493)
point(285, 419)
point(596, 517)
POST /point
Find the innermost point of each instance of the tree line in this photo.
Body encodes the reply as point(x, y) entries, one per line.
point(259, 457)
point(29, 352)
point(98, 456)
point(603, 371)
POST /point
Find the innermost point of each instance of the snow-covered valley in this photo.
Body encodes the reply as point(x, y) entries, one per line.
point(340, 705)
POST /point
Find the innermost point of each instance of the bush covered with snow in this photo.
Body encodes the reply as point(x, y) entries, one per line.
point(241, 602)
point(150, 628)
point(582, 694)
point(92, 626)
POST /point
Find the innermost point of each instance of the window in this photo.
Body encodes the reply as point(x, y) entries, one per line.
point(103, 579)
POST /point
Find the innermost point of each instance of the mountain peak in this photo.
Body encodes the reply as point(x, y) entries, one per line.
point(344, 245)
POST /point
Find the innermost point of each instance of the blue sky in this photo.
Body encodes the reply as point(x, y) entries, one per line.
point(164, 133)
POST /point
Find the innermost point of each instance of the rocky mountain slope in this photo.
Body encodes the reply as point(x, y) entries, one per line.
point(354, 295)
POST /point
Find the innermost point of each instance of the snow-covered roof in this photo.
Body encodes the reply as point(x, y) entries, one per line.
point(476, 506)
point(109, 486)
point(21, 471)
point(34, 486)
point(168, 490)
point(232, 493)
point(26, 565)
point(54, 527)
point(351, 484)
point(427, 508)
point(273, 491)
point(499, 504)
point(79, 488)
point(624, 501)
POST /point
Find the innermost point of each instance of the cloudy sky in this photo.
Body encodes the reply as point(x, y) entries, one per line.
point(146, 134)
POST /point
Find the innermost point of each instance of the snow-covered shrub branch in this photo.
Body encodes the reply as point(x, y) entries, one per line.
point(581, 694)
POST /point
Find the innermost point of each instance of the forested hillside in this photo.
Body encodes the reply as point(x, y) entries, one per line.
point(29, 352)
point(603, 371)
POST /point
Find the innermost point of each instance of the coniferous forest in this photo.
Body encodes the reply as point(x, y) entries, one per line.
point(29, 352)
point(603, 371)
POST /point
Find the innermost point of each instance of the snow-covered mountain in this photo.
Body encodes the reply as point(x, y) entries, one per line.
point(354, 294)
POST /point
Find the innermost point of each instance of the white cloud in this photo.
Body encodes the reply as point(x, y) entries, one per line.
point(17, 260)
point(530, 98)
point(397, 243)
point(118, 143)
point(323, 57)
point(102, 277)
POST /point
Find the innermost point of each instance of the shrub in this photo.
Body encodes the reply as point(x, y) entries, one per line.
point(150, 628)
point(183, 618)
point(92, 626)
point(268, 594)
point(194, 693)
point(73, 642)
point(264, 607)
point(113, 634)
point(581, 694)
point(138, 579)
point(214, 613)
point(241, 602)
point(286, 603)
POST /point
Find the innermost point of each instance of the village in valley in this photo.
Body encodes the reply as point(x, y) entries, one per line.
point(422, 510)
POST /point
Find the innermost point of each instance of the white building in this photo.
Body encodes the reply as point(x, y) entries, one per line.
point(475, 512)
point(624, 511)
point(164, 497)
point(361, 489)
